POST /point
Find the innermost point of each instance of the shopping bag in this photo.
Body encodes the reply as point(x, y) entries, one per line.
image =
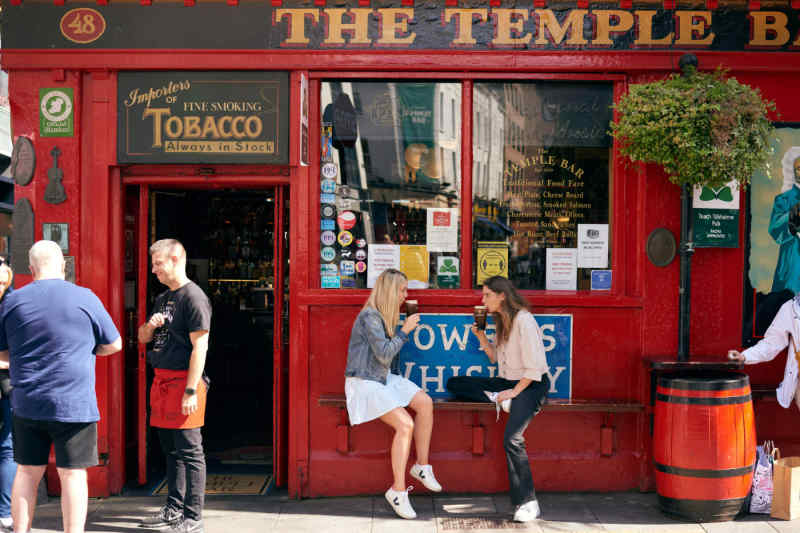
point(761, 492)
point(786, 489)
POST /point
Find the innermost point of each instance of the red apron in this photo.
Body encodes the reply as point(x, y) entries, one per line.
point(166, 395)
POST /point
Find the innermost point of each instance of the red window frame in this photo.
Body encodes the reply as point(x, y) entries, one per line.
point(620, 264)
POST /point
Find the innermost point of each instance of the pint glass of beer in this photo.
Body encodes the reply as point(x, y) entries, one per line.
point(479, 312)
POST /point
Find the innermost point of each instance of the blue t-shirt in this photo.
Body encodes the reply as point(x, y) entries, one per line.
point(51, 328)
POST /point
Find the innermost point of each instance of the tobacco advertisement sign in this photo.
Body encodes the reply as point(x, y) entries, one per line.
point(203, 117)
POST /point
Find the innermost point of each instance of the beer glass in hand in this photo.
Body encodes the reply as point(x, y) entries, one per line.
point(479, 312)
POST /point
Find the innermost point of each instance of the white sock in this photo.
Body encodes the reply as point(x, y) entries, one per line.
point(6, 521)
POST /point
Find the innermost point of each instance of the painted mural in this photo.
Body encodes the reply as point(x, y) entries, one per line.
point(773, 259)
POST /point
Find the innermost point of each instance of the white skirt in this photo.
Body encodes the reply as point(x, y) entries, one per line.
point(368, 400)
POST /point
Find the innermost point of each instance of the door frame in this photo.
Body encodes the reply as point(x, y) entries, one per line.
point(280, 186)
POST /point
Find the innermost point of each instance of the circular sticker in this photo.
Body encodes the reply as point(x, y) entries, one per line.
point(361, 267)
point(361, 243)
point(345, 238)
point(328, 186)
point(328, 211)
point(492, 264)
point(82, 25)
point(329, 170)
point(56, 105)
point(361, 255)
point(328, 254)
point(346, 220)
point(328, 238)
point(347, 268)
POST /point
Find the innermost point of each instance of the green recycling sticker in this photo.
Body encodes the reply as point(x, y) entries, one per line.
point(56, 112)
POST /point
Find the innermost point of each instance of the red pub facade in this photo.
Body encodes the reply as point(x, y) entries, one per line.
point(299, 148)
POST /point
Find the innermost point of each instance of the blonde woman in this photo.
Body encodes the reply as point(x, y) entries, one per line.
point(520, 388)
point(373, 391)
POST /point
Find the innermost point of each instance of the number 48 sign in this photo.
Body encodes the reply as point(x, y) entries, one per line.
point(82, 25)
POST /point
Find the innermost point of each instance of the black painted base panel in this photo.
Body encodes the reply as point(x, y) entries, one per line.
point(701, 510)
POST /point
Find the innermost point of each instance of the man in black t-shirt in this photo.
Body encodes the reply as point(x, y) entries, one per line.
point(178, 331)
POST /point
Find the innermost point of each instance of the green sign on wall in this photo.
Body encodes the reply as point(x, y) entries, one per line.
point(715, 217)
point(56, 112)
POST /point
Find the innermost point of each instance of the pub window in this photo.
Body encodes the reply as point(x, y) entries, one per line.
point(542, 216)
point(389, 196)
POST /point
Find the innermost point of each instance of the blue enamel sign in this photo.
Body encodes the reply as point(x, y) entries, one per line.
point(443, 346)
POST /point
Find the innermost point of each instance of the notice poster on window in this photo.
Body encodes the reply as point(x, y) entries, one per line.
point(414, 264)
point(562, 269)
point(492, 260)
point(447, 276)
point(379, 258)
point(592, 245)
point(442, 229)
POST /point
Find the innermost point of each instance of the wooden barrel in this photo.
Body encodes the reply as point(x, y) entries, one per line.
point(704, 444)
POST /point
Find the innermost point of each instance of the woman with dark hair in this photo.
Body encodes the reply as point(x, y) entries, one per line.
point(520, 387)
point(373, 391)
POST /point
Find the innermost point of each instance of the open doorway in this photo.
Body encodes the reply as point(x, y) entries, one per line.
point(233, 240)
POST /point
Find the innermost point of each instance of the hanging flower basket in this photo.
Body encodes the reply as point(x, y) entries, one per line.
point(702, 128)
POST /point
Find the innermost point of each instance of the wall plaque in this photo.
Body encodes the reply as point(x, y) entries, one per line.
point(23, 161)
point(22, 239)
point(54, 193)
point(661, 247)
point(203, 117)
point(69, 268)
point(56, 112)
point(58, 232)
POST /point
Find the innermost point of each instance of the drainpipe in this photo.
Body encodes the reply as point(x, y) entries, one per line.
point(687, 245)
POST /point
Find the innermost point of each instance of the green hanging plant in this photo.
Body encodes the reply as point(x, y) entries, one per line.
point(702, 128)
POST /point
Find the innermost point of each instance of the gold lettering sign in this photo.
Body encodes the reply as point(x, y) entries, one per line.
point(203, 117)
point(769, 28)
point(520, 27)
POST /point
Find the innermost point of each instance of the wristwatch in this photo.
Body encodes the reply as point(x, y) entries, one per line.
point(190, 391)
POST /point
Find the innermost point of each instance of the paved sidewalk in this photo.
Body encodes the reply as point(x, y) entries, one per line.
point(625, 512)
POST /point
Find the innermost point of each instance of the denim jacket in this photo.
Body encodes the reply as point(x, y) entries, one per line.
point(371, 352)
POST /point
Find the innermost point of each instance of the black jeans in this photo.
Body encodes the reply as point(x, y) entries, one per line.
point(186, 470)
point(523, 408)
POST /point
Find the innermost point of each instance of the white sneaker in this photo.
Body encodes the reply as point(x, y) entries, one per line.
point(505, 405)
point(398, 500)
point(527, 511)
point(424, 473)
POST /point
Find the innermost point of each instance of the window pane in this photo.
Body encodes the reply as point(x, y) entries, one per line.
point(390, 187)
point(548, 185)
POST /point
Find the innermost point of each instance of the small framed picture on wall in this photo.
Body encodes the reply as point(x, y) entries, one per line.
point(57, 232)
point(69, 268)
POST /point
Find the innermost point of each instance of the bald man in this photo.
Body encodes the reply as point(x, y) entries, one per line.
point(51, 331)
point(178, 332)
